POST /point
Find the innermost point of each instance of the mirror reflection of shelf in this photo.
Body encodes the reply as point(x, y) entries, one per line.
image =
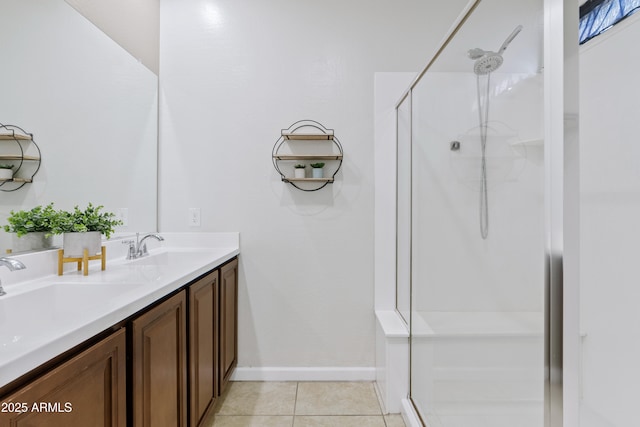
point(20, 151)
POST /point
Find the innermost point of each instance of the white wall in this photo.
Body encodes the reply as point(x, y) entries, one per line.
point(233, 74)
point(610, 208)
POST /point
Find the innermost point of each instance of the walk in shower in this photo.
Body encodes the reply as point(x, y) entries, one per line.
point(471, 223)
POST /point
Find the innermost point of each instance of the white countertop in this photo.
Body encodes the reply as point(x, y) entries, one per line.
point(44, 315)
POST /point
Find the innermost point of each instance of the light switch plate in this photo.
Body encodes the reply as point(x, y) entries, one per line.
point(123, 215)
point(194, 217)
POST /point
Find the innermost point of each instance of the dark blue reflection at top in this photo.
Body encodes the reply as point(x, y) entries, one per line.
point(597, 16)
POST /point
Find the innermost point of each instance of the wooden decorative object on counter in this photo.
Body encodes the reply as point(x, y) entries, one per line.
point(83, 262)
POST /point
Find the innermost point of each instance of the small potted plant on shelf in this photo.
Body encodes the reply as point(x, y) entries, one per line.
point(31, 229)
point(6, 172)
point(83, 229)
point(317, 171)
point(299, 171)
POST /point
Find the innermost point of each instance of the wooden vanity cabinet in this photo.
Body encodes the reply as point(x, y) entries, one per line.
point(203, 345)
point(159, 364)
point(160, 370)
point(166, 368)
point(228, 321)
point(87, 390)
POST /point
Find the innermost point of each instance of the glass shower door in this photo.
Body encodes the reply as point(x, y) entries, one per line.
point(477, 224)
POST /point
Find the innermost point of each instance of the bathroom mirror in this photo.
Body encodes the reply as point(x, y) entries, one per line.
point(92, 110)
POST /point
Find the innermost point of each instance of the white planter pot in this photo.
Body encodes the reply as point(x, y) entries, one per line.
point(31, 241)
point(299, 173)
point(6, 174)
point(74, 244)
point(317, 172)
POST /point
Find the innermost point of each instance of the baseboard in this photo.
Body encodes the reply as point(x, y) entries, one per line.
point(304, 374)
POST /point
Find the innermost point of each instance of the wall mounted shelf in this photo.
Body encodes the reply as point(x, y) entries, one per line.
point(308, 136)
point(27, 158)
point(23, 180)
point(327, 180)
point(18, 148)
point(310, 141)
point(309, 157)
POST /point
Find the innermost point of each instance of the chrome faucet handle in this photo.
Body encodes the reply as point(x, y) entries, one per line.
point(131, 252)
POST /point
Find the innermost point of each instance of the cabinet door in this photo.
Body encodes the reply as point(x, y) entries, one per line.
point(203, 345)
point(88, 390)
point(228, 321)
point(160, 366)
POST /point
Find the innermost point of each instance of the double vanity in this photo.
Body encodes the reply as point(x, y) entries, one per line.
point(148, 341)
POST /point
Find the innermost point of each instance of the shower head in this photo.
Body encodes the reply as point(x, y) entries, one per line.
point(488, 61)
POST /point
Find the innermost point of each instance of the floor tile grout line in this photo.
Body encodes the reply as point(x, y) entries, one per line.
point(375, 393)
point(295, 403)
point(378, 412)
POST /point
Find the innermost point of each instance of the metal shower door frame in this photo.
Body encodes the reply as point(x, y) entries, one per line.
point(555, 184)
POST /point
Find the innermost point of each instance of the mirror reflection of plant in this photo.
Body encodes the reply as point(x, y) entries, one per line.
point(6, 166)
point(37, 219)
point(89, 219)
point(300, 166)
point(317, 165)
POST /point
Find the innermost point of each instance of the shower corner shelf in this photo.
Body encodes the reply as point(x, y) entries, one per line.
point(14, 144)
point(528, 143)
point(316, 143)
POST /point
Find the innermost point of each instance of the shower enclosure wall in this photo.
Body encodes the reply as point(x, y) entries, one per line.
point(474, 305)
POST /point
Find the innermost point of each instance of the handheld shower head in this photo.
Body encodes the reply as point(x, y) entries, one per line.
point(488, 61)
point(509, 39)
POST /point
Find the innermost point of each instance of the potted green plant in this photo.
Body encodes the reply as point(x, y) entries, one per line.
point(83, 229)
point(31, 228)
point(6, 172)
point(299, 171)
point(317, 171)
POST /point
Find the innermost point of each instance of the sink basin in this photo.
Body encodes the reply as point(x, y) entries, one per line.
point(178, 257)
point(74, 297)
point(53, 307)
point(165, 258)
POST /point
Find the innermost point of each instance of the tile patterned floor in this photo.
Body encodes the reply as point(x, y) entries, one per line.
point(300, 404)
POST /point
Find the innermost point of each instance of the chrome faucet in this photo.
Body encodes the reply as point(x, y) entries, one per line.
point(138, 248)
point(11, 264)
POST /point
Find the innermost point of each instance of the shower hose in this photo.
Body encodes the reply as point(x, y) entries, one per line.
point(483, 117)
